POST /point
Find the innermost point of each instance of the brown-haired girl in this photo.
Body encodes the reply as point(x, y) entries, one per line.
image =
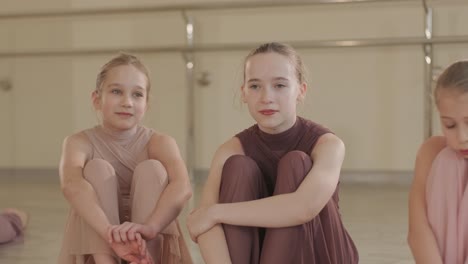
point(272, 191)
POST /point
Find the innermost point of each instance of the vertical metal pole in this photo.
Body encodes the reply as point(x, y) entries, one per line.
point(428, 71)
point(189, 72)
point(6, 90)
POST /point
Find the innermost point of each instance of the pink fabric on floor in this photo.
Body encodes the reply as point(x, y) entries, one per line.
point(447, 205)
point(10, 227)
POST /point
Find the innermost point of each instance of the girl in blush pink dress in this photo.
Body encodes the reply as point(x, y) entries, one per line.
point(438, 206)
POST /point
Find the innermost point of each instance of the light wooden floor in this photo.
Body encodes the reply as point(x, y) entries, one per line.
point(375, 216)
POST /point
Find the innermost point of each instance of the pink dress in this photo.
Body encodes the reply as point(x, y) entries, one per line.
point(447, 205)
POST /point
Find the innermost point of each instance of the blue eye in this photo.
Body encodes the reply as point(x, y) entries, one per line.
point(115, 91)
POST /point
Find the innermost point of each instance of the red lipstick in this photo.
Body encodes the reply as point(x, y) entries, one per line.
point(267, 112)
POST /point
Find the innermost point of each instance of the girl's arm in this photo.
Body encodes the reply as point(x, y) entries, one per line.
point(178, 190)
point(213, 244)
point(78, 192)
point(420, 236)
point(294, 208)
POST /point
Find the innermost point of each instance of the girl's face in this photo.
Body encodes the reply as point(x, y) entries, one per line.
point(271, 90)
point(453, 110)
point(122, 99)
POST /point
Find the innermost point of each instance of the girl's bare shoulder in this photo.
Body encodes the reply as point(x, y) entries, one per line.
point(431, 147)
point(78, 142)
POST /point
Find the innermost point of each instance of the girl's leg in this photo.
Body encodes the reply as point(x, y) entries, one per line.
point(149, 181)
point(285, 245)
point(447, 200)
point(242, 180)
point(103, 259)
point(323, 240)
point(101, 175)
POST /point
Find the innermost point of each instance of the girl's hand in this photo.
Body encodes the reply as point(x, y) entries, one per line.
point(128, 232)
point(200, 221)
point(132, 252)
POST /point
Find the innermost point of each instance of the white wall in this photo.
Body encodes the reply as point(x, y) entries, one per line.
point(371, 97)
point(368, 96)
